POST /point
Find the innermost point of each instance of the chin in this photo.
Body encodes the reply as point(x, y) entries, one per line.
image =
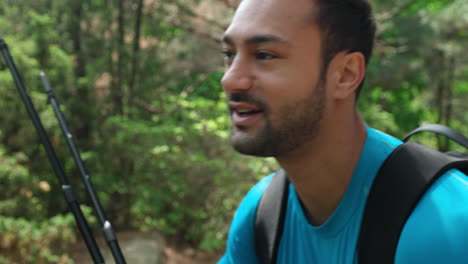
point(252, 145)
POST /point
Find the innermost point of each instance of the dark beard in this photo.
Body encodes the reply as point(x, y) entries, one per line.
point(284, 131)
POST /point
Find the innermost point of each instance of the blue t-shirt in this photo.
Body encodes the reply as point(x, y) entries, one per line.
point(436, 231)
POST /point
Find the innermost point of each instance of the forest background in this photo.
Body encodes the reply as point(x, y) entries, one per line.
point(138, 82)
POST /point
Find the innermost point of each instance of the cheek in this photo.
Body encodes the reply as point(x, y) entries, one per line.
point(276, 88)
point(288, 80)
point(289, 84)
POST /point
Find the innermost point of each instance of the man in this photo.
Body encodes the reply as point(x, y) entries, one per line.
point(293, 74)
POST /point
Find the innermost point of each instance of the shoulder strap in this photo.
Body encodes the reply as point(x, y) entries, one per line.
point(441, 130)
point(402, 180)
point(270, 218)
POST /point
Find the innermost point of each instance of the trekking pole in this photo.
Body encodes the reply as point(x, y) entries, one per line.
point(56, 165)
point(107, 230)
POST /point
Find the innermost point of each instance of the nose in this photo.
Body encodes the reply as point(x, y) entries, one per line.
point(238, 76)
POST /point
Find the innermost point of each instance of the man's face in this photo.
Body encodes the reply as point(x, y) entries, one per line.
point(273, 78)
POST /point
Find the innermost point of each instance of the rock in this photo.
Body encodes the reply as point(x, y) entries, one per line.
point(144, 248)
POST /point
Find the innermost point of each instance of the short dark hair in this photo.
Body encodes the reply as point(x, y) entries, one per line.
point(346, 25)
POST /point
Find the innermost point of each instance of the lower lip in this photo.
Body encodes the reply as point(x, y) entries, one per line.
point(245, 120)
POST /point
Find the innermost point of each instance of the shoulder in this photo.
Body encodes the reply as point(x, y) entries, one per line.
point(240, 246)
point(437, 229)
point(378, 146)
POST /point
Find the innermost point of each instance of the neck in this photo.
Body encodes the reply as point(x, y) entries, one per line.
point(322, 169)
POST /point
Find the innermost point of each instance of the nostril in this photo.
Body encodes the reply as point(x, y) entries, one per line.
point(245, 83)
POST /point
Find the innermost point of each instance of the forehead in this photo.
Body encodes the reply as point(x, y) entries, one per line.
point(281, 18)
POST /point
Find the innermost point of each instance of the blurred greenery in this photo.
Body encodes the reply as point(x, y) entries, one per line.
point(138, 82)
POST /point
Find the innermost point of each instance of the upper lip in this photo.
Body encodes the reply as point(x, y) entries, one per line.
point(239, 106)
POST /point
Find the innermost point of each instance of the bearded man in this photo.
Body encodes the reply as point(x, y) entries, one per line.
point(294, 70)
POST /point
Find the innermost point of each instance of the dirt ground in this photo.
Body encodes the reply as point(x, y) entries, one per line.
point(175, 254)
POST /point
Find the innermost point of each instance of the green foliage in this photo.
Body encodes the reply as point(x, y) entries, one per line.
point(179, 169)
point(17, 195)
point(157, 147)
point(414, 58)
point(27, 235)
point(36, 242)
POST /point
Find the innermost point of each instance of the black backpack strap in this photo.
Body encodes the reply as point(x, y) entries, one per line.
point(270, 216)
point(401, 182)
point(441, 130)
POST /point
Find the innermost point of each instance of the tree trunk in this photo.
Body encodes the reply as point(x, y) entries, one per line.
point(444, 96)
point(438, 73)
point(81, 106)
point(119, 86)
point(448, 109)
point(136, 53)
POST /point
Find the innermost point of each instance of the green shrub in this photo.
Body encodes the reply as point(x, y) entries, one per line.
point(39, 242)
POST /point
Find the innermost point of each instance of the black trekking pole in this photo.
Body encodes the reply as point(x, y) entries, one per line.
point(56, 165)
point(109, 233)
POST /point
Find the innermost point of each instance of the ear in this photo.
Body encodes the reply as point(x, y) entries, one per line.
point(348, 71)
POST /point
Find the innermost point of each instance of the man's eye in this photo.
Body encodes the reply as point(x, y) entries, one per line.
point(262, 55)
point(227, 55)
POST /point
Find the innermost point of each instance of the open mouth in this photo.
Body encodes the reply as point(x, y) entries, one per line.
point(244, 112)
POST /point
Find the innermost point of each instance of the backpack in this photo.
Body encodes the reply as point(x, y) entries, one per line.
point(401, 181)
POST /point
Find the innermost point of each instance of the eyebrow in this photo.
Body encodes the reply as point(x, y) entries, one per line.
point(257, 39)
